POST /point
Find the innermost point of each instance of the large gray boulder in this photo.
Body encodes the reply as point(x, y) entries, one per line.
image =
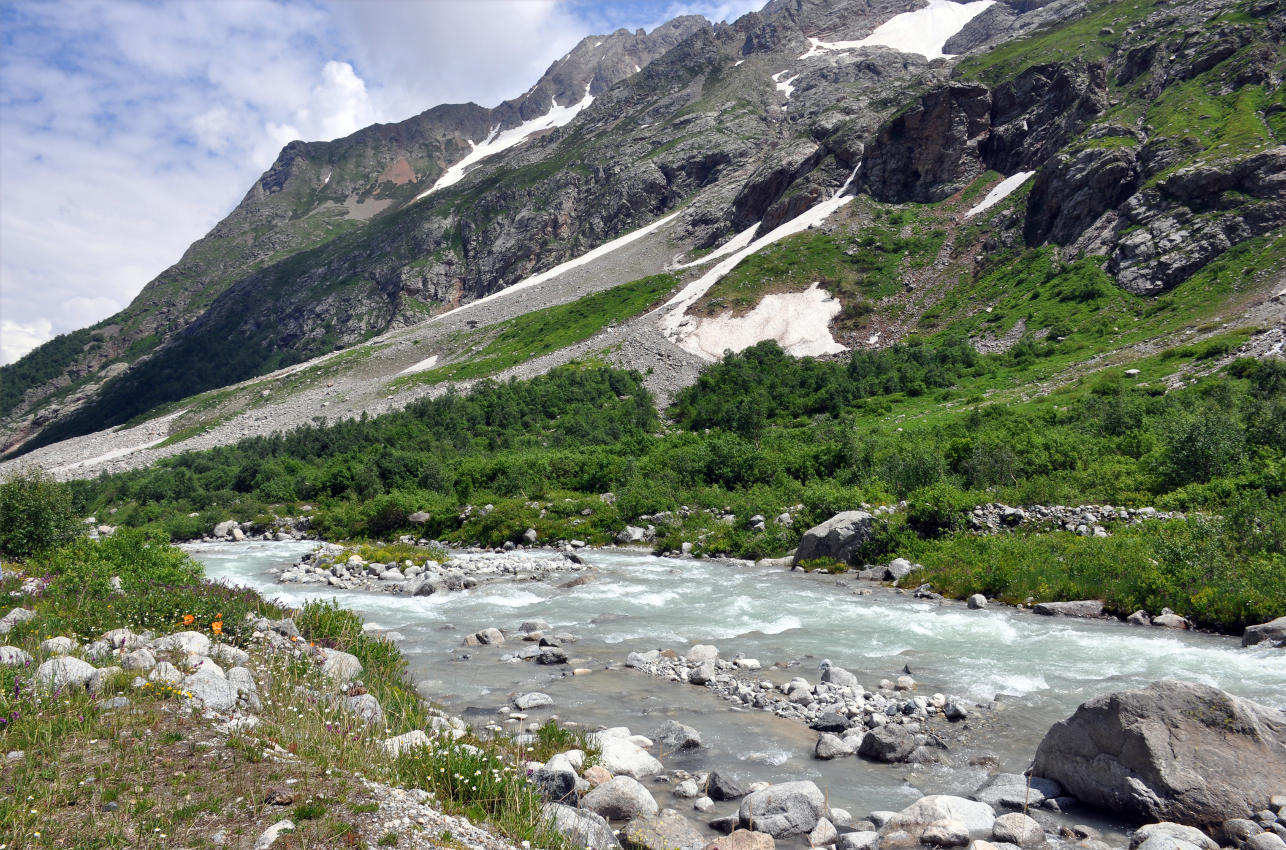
point(837, 538)
point(677, 736)
point(210, 685)
point(1272, 633)
point(1172, 751)
point(1079, 608)
point(581, 828)
point(791, 808)
point(1015, 791)
point(620, 798)
point(888, 744)
point(668, 830)
point(970, 816)
point(63, 671)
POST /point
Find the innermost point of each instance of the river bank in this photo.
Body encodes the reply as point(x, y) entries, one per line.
point(524, 713)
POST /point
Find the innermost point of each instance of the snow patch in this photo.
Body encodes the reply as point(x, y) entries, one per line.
point(799, 321)
point(427, 363)
point(637, 69)
point(676, 326)
point(786, 87)
point(598, 44)
point(738, 62)
point(924, 31)
point(734, 244)
point(1002, 190)
point(498, 141)
point(588, 257)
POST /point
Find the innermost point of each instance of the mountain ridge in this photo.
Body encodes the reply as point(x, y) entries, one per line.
point(922, 131)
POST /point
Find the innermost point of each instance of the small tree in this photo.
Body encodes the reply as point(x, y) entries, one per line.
point(36, 514)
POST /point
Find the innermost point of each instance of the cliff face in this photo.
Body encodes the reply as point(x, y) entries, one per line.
point(1154, 131)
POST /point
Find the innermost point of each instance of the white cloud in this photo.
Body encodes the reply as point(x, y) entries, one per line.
point(16, 339)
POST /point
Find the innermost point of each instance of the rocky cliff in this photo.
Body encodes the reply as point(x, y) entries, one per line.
point(1154, 133)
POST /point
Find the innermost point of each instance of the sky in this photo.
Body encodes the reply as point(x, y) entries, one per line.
point(129, 129)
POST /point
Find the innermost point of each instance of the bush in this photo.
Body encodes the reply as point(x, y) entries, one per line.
point(36, 514)
point(938, 509)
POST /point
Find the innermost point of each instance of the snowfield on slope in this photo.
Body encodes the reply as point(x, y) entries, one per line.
point(924, 31)
point(498, 141)
point(1002, 190)
point(799, 321)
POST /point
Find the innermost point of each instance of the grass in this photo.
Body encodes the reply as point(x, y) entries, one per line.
point(551, 329)
point(855, 269)
point(154, 773)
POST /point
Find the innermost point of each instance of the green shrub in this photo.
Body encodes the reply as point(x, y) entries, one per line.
point(36, 514)
point(938, 509)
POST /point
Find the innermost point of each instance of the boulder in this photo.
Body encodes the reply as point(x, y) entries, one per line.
point(580, 827)
point(556, 781)
point(1018, 828)
point(535, 699)
point(63, 671)
point(1080, 608)
point(340, 666)
point(412, 740)
point(212, 688)
point(665, 831)
point(365, 706)
point(975, 819)
point(192, 643)
point(944, 833)
point(621, 758)
point(1272, 633)
point(1172, 751)
point(837, 676)
point(744, 839)
point(60, 645)
point(888, 744)
point(702, 674)
point(823, 835)
point(700, 653)
point(677, 736)
point(12, 656)
point(139, 659)
point(244, 681)
point(837, 538)
point(224, 528)
point(1265, 841)
point(790, 808)
point(1168, 836)
point(863, 840)
point(166, 673)
point(620, 798)
point(976, 601)
point(721, 787)
point(13, 618)
point(1015, 791)
point(831, 747)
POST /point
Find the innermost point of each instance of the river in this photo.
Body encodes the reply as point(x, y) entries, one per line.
point(1019, 672)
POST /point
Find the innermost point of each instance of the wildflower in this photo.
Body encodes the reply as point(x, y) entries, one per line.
point(189, 619)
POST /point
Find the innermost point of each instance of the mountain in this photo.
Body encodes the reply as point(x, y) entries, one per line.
point(928, 166)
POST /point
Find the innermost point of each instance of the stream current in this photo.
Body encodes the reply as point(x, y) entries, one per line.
point(1018, 673)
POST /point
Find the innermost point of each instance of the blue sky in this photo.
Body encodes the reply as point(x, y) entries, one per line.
point(128, 129)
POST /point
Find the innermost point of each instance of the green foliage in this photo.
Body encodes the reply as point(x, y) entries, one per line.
point(36, 514)
point(938, 509)
point(482, 782)
point(543, 331)
point(40, 365)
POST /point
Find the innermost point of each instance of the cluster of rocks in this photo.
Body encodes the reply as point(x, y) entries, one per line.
point(888, 724)
point(328, 565)
point(585, 803)
point(281, 529)
point(1085, 520)
point(637, 535)
point(539, 643)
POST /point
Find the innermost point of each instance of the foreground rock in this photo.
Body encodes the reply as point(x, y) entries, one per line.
point(791, 808)
point(665, 831)
point(581, 828)
point(945, 815)
point(1173, 751)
